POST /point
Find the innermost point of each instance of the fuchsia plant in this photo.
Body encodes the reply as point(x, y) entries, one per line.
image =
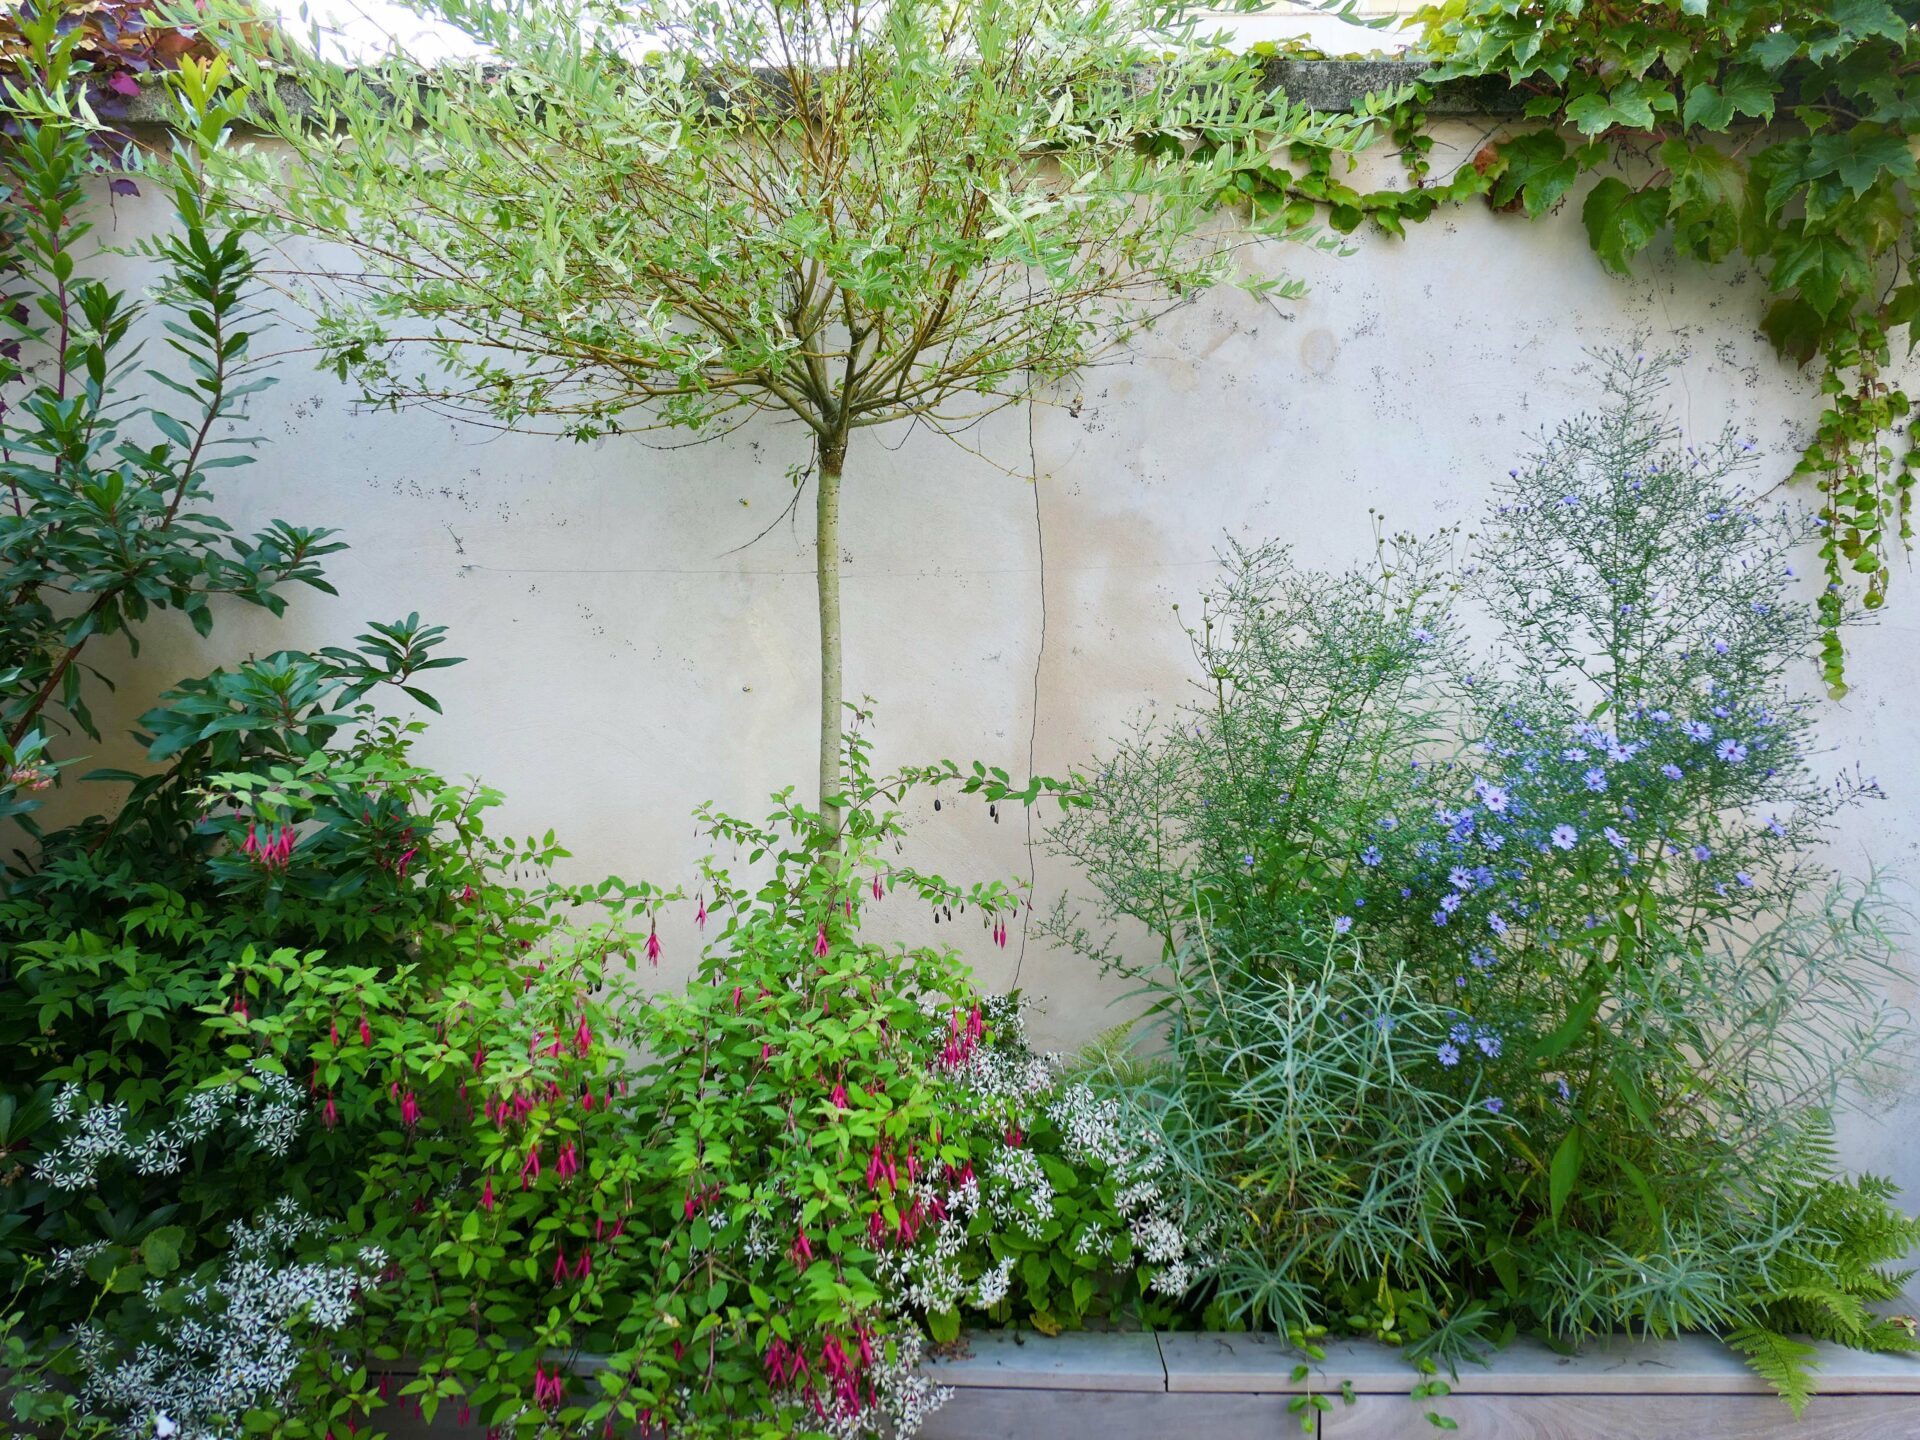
point(832, 1148)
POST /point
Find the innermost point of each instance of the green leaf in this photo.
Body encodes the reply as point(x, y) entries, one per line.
point(1823, 268)
point(1572, 1026)
point(1749, 92)
point(1795, 328)
point(944, 1326)
point(161, 1249)
point(1538, 171)
point(1565, 1170)
point(1708, 108)
point(1621, 221)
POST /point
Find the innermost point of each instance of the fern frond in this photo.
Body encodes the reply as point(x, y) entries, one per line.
point(1784, 1363)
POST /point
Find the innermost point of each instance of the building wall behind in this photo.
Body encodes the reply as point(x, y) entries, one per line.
point(635, 650)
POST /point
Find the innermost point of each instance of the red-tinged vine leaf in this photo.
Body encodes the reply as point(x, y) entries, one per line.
point(1622, 221)
point(1794, 328)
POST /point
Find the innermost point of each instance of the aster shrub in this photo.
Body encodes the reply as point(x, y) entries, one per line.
point(1509, 979)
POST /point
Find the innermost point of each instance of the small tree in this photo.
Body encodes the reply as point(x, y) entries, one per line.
point(847, 212)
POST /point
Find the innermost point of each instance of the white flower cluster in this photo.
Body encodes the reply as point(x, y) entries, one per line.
point(926, 1277)
point(234, 1344)
point(1018, 1191)
point(904, 1398)
point(269, 1115)
point(1097, 1130)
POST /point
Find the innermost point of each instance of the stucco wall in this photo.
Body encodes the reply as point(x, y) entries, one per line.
point(627, 660)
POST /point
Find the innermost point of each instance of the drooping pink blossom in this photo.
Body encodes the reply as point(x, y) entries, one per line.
point(409, 1111)
point(820, 942)
point(486, 1196)
point(561, 1270)
point(700, 915)
point(530, 1169)
point(653, 947)
point(366, 1030)
point(329, 1116)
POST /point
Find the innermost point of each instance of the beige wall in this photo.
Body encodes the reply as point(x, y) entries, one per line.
point(627, 661)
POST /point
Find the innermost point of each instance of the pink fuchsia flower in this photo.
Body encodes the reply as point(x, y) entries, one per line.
point(736, 999)
point(486, 1196)
point(366, 1031)
point(700, 916)
point(820, 942)
point(839, 1097)
point(585, 1267)
point(561, 1270)
point(479, 1054)
point(530, 1170)
point(801, 1251)
point(653, 947)
point(409, 1111)
point(583, 1036)
point(567, 1164)
point(329, 1116)
point(879, 890)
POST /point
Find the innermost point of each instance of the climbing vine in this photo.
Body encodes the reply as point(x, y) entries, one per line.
point(1783, 132)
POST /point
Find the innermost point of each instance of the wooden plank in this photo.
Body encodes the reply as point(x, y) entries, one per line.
point(1628, 1417)
point(1081, 1360)
point(986, 1414)
point(1691, 1365)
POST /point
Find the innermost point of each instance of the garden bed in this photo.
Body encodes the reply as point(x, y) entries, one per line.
point(1088, 1386)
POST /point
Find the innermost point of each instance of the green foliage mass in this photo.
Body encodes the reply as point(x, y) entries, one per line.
point(1781, 133)
point(1500, 990)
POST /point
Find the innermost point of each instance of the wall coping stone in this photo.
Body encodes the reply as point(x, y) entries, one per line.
point(1330, 85)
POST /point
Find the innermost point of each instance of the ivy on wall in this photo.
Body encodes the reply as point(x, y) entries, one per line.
point(1784, 133)
point(1779, 132)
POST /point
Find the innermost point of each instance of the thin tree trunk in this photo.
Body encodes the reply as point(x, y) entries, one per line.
point(827, 575)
